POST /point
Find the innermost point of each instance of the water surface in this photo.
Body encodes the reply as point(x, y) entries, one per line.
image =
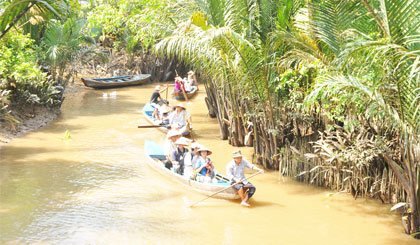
point(97, 188)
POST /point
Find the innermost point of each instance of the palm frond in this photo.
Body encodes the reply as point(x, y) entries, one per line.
point(18, 8)
point(239, 14)
point(332, 18)
point(402, 18)
point(379, 103)
point(214, 10)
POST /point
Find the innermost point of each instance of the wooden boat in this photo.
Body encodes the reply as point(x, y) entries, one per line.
point(180, 96)
point(112, 82)
point(155, 156)
point(148, 112)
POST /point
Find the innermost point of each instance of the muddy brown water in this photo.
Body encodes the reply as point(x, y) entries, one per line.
point(97, 188)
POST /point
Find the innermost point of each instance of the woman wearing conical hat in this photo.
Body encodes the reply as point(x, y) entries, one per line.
point(180, 119)
point(205, 167)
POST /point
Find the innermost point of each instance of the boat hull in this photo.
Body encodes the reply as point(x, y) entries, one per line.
point(113, 82)
point(180, 96)
point(148, 112)
point(154, 152)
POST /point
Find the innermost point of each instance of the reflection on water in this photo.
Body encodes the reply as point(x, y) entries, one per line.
point(97, 188)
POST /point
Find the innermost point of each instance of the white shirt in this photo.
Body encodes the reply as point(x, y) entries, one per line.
point(190, 159)
point(168, 147)
point(234, 170)
point(179, 118)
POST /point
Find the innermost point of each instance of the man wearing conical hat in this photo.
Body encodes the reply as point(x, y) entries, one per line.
point(156, 98)
point(180, 119)
point(235, 172)
point(156, 101)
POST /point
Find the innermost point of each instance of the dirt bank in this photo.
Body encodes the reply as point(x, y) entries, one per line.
point(31, 117)
point(28, 118)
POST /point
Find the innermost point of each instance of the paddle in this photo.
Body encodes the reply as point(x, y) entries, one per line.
point(257, 173)
point(154, 126)
point(185, 94)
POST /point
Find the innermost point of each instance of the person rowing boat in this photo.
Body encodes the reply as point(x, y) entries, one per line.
point(235, 173)
point(157, 102)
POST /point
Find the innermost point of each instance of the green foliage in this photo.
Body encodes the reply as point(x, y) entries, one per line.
point(139, 22)
point(64, 44)
point(21, 75)
point(44, 9)
point(293, 85)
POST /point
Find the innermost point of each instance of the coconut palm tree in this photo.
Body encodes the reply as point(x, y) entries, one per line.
point(17, 9)
point(228, 41)
point(65, 44)
point(392, 98)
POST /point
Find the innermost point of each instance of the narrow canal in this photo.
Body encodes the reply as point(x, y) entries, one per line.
point(97, 188)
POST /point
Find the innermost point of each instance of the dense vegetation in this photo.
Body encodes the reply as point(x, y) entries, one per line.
point(327, 91)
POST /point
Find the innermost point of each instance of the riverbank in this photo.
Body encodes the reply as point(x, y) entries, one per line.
point(32, 117)
point(28, 118)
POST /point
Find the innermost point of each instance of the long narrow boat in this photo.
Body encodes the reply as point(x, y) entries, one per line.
point(148, 112)
point(155, 156)
point(180, 96)
point(112, 82)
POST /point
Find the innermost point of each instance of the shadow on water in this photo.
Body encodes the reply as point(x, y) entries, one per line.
point(258, 203)
point(18, 153)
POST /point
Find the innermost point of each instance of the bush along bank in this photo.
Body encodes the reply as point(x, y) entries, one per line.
point(340, 111)
point(24, 86)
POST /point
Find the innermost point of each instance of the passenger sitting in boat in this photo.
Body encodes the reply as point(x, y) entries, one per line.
point(169, 146)
point(204, 166)
point(188, 85)
point(164, 112)
point(192, 79)
point(178, 155)
point(180, 119)
point(190, 161)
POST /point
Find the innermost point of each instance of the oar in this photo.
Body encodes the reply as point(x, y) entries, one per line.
point(225, 189)
point(154, 126)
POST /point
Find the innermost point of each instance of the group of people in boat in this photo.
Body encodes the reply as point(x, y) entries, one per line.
point(186, 84)
point(195, 164)
point(175, 117)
